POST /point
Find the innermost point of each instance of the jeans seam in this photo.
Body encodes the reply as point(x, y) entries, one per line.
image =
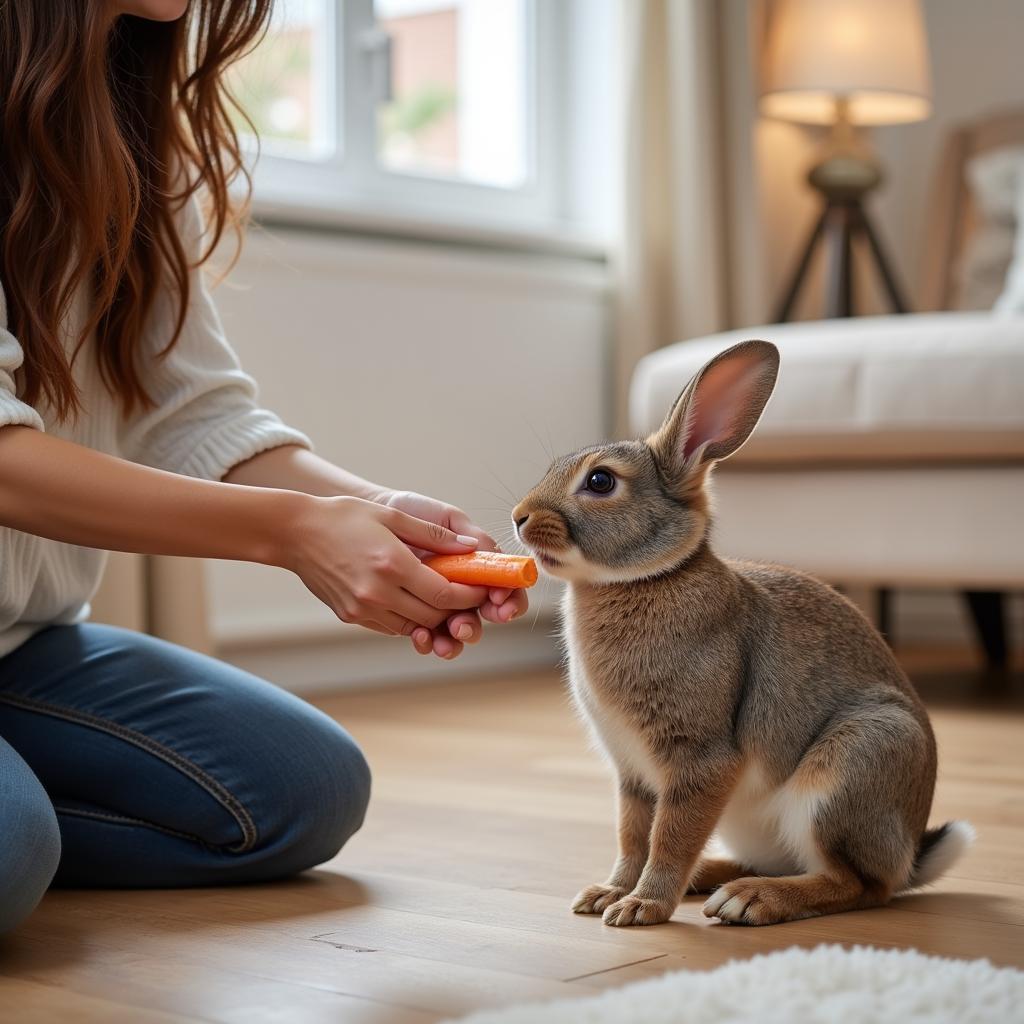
point(124, 819)
point(192, 771)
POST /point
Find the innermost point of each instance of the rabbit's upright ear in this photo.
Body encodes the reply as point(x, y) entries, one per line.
point(719, 408)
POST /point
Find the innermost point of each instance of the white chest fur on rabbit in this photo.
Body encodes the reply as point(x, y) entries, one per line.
point(769, 828)
point(612, 734)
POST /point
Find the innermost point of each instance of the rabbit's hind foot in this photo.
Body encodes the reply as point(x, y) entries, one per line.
point(758, 901)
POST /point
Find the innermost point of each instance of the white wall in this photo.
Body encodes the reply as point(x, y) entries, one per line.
point(447, 371)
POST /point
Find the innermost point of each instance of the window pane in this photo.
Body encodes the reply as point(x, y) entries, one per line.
point(283, 84)
point(459, 88)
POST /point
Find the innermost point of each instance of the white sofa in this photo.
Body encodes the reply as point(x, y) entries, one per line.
point(892, 452)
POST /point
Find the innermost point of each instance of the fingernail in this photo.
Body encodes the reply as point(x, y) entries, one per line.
point(464, 632)
point(471, 541)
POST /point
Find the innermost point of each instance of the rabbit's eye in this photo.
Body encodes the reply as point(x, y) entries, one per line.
point(600, 482)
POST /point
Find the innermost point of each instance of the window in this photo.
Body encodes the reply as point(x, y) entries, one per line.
point(284, 85)
point(457, 106)
point(417, 110)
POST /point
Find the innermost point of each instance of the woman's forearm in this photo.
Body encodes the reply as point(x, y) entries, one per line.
point(66, 492)
point(297, 469)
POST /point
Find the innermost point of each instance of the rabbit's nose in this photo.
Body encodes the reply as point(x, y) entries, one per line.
point(521, 521)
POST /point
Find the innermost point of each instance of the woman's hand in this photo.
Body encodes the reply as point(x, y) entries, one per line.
point(296, 469)
point(501, 605)
point(355, 556)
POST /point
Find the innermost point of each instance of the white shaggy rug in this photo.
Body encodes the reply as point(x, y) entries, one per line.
point(829, 985)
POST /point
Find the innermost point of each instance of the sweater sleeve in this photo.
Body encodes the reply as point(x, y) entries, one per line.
point(12, 410)
point(206, 418)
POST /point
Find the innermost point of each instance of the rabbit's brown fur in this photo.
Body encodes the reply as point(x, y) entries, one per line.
point(743, 698)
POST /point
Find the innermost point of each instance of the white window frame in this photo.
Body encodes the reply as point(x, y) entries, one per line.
point(348, 184)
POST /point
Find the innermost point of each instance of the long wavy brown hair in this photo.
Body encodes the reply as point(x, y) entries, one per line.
point(107, 125)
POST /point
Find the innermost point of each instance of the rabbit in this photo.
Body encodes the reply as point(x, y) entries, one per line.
point(744, 699)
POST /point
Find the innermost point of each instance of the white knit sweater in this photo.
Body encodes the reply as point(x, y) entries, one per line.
point(205, 420)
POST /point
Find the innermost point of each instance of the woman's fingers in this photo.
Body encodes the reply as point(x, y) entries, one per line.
point(438, 642)
point(397, 624)
point(422, 640)
point(465, 626)
point(441, 642)
point(458, 521)
point(376, 627)
point(430, 536)
point(519, 601)
point(419, 612)
point(489, 612)
point(445, 646)
point(508, 610)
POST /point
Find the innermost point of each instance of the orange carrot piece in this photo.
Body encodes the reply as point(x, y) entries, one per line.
point(486, 569)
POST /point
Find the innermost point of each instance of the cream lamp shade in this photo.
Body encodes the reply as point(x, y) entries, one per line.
point(869, 55)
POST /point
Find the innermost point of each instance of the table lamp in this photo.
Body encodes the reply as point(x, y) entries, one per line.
point(846, 64)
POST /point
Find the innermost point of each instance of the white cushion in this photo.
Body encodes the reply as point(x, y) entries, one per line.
point(994, 178)
point(1012, 298)
point(921, 386)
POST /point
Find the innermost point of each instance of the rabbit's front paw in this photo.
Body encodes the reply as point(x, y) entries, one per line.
point(745, 901)
point(595, 898)
point(637, 910)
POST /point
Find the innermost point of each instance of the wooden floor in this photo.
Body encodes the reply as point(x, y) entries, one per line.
point(489, 813)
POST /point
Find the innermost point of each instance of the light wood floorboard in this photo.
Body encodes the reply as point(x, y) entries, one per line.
point(489, 813)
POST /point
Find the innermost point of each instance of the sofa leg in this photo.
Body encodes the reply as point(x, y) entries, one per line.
point(883, 614)
point(875, 603)
point(988, 612)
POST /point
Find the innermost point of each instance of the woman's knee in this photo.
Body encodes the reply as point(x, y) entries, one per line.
point(335, 795)
point(29, 846)
point(309, 810)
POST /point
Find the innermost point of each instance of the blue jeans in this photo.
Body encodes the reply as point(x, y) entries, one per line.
point(128, 762)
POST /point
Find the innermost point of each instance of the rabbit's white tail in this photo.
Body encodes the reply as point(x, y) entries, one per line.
point(938, 850)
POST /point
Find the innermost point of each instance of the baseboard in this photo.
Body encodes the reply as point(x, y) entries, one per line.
point(321, 665)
